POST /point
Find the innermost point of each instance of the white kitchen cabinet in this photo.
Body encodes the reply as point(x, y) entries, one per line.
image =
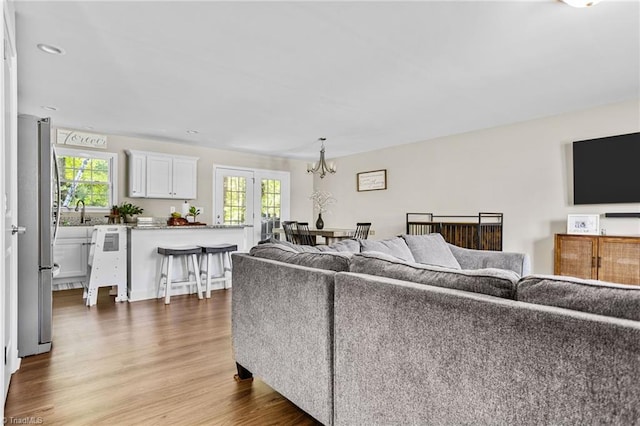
point(71, 253)
point(137, 174)
point(156, 175)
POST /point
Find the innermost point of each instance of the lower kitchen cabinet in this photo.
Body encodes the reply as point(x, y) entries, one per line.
point(71, 253)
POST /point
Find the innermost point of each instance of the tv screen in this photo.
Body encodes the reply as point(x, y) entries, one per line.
point(607, 170)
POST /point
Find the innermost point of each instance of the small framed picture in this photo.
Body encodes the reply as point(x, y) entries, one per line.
point(588, 224)
point(372, 181)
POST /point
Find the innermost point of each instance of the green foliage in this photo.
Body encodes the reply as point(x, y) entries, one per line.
point(193, 211)
point(129, 209)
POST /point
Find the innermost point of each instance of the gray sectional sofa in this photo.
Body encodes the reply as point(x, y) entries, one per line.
point(381, 333)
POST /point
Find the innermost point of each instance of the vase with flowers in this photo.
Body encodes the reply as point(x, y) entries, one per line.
point(321, 200)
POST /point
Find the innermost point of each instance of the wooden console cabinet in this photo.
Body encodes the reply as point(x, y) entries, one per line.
point(606, 258)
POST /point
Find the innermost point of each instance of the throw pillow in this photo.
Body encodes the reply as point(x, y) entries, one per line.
point(396, 247)
point(431, 249)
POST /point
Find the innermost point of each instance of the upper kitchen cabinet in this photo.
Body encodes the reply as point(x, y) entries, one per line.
point(156, 175)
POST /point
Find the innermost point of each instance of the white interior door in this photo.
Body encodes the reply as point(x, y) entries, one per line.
point(234, 199)
point(9, 203)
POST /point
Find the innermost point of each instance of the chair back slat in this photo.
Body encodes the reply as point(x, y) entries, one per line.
point(290, 227)
point(362, 230)
point(304, 237)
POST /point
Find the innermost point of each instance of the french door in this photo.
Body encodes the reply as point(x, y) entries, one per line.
point(258, 198)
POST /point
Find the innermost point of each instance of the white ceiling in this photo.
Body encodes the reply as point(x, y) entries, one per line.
point(273, 77)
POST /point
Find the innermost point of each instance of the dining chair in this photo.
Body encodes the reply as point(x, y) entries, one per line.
point(289, 227)
point(304, 237)
point(362, 230)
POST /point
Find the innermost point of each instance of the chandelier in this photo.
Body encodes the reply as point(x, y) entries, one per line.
point(321, 167)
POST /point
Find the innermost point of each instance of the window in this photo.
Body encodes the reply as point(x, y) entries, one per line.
point(87, 176)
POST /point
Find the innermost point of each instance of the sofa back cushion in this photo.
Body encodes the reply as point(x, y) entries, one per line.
point(596, 297)
point(431, 249)
point(494, 282)
point(395, 247)
point(331, 261)
point(347, 246)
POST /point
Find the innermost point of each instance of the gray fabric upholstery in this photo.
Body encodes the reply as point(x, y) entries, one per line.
point(332, 261)
point(494, 282)
point(347, 246)
point(431, 249)
point(394, 246)
point(597, 297)
point(409, 354)
point(520, 263)
point(282, 329)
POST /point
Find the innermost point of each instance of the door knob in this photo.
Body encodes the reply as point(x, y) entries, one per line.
point(18, 229)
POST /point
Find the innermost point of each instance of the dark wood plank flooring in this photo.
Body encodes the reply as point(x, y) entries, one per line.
point(143, 363)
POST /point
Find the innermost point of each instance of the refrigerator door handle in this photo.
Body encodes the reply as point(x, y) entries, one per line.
point(57, 177)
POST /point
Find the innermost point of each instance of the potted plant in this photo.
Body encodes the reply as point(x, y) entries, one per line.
point(194, 212)
point(128, 211)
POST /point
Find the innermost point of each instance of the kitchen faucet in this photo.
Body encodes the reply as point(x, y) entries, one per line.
point(82, 220)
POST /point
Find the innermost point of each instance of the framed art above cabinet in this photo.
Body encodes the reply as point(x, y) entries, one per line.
point(158, 175)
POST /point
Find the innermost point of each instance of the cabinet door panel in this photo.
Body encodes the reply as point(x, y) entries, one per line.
point(137, 175)
point(619, 260)
point(184, 178)
point(159, 176)
point(71, 255)
point(575, 256)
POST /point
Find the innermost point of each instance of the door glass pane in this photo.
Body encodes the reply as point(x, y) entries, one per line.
point(234, 199)
point(270, 207)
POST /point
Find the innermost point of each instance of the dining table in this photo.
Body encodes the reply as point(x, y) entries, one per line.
point(330, 235)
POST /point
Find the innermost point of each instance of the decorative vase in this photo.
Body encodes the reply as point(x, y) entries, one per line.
point(319, 222)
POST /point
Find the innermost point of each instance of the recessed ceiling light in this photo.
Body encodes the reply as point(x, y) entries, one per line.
point(88, 127)
point(49, 108)
point(47, 48)
point(192, 132)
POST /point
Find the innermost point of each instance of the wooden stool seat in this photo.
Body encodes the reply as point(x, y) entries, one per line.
point(190, 255)
point(223, 253)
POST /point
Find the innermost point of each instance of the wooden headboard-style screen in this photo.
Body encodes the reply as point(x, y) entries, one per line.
point(481, 232)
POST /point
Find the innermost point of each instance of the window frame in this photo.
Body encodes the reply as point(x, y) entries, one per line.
point(111, 158)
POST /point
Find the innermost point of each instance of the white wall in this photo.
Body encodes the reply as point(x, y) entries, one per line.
point(522, 170)
point(301, 183)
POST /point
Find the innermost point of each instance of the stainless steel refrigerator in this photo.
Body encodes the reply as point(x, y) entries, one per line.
point(37, 212)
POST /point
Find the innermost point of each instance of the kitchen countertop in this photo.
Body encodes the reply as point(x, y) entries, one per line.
point(157, 226)
point(149, 227)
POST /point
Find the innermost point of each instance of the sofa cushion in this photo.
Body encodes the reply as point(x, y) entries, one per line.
point(331, 261)
point(494, 282)
point(596, 297)
point(348, 246)
point(431, 249)
point(396, 247)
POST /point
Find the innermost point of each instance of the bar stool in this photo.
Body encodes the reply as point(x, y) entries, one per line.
point(223, 253)
point(191, 268)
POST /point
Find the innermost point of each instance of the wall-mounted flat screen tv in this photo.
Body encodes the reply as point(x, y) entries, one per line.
point(607, 170)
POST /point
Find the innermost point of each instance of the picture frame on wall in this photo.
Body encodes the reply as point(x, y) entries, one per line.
point(375, 180)
point(585, 224)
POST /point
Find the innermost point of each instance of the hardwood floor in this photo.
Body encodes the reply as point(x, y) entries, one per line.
point(143, 363)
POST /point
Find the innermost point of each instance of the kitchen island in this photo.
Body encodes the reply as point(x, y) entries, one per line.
point(143, 260)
